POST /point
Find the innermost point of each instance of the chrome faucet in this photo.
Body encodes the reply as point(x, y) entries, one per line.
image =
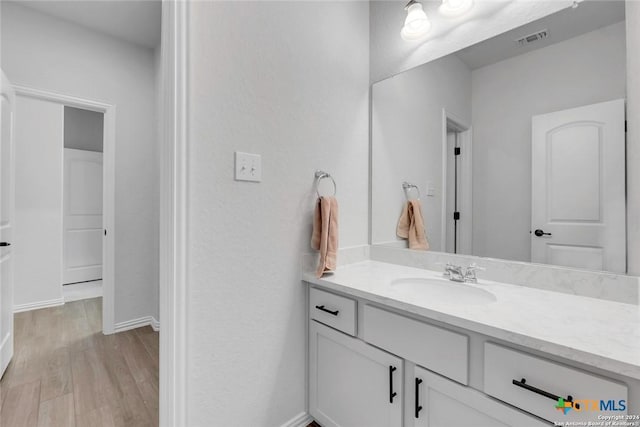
point(454, 272)
point(460, 274)
point(470, 273)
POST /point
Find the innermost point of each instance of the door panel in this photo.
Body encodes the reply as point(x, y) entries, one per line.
point(350, 381)
point(448, 404)
point(586, 257)
point(578, 187)
point(7, 108)
point(575, 179)
point(82, 215)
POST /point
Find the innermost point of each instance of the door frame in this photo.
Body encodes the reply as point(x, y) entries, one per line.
point(174, 333)
point(466, 176)
point(108, 189)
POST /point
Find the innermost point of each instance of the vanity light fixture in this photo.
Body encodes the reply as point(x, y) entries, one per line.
point(417, 24)
point(454, 8)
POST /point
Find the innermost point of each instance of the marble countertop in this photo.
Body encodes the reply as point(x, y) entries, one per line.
point(599, 333)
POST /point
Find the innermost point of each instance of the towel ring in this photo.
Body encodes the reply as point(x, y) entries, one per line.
point(320, 175)
point(407, 186)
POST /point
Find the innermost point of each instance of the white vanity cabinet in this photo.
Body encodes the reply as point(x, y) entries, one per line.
point(439, 402)
point(352, 384)
point(371, 365)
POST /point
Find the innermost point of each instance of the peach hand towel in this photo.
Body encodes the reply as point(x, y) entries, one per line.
point(325, 234)
point(411, 226)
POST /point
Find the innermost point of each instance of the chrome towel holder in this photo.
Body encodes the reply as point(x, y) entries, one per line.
point(407, 186)
point(320, 175)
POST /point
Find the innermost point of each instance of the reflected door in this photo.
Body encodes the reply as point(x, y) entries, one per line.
point(82, 216)
point(578, 188)
point(7, 107)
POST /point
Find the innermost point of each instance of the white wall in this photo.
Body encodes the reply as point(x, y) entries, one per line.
point(633, 136)
point(54, 55)
point(83, 129)
point(288, 80)
point(407, 141)
point(391, 55)
point(580, 71)
point(38, 203)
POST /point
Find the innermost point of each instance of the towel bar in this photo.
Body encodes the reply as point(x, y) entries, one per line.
point(320, 175)
point(407, 186)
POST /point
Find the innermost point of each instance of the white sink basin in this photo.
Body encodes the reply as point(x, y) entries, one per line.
point(441, 290)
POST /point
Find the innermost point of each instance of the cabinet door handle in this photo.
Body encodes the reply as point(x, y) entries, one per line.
point(5, 244)
point(321, 308)
point(523, 383)
point(392, 393)
point(418, 408)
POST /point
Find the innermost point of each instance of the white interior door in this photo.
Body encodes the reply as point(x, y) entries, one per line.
point(7, 107)
point(82, 216)
point(578, 188)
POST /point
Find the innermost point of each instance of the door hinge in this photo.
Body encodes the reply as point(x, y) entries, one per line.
point(457, 151)
point(456, 216)
point(625, 126)
point(105, 231)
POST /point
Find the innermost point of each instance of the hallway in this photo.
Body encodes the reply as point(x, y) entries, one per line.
point(66, 373)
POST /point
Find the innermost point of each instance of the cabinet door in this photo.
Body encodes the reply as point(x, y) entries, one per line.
point(448, 404)
point(352, 383)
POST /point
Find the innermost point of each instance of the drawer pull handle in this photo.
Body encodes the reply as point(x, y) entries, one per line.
point(392, 393)
point(523, 383)
point(326, 310)
point(418, 408)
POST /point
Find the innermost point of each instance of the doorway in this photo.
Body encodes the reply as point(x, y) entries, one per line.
point(457, 185)
point(82, 204)
point(47, 109)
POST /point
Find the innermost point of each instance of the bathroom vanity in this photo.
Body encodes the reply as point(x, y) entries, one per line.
point(392, 345)
point(508, 160)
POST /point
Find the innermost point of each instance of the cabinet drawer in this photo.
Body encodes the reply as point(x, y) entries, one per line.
point(439, 402)
point(333, 310)
point(434, 348)
point(504, 370)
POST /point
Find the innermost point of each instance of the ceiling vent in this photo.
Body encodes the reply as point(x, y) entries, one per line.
point(532, 38)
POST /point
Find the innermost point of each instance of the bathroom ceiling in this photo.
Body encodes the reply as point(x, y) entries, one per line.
point(589, 16)
point(135, 21)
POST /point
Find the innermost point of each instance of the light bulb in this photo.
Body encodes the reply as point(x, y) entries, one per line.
point(416, 25)
point(453, 8)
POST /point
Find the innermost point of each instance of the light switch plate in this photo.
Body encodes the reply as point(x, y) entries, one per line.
point(248, 167)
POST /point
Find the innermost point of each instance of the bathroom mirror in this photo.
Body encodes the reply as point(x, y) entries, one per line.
point(516, 144)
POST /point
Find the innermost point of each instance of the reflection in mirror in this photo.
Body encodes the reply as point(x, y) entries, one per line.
point(516, 144)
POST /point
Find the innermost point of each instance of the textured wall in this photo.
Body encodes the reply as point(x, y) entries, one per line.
point(288, 80)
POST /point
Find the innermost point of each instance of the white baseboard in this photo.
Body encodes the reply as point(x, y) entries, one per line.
point(136, 323)
point(155, 324)
point(18, 308)
point(301, 420)
point(81, 291)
